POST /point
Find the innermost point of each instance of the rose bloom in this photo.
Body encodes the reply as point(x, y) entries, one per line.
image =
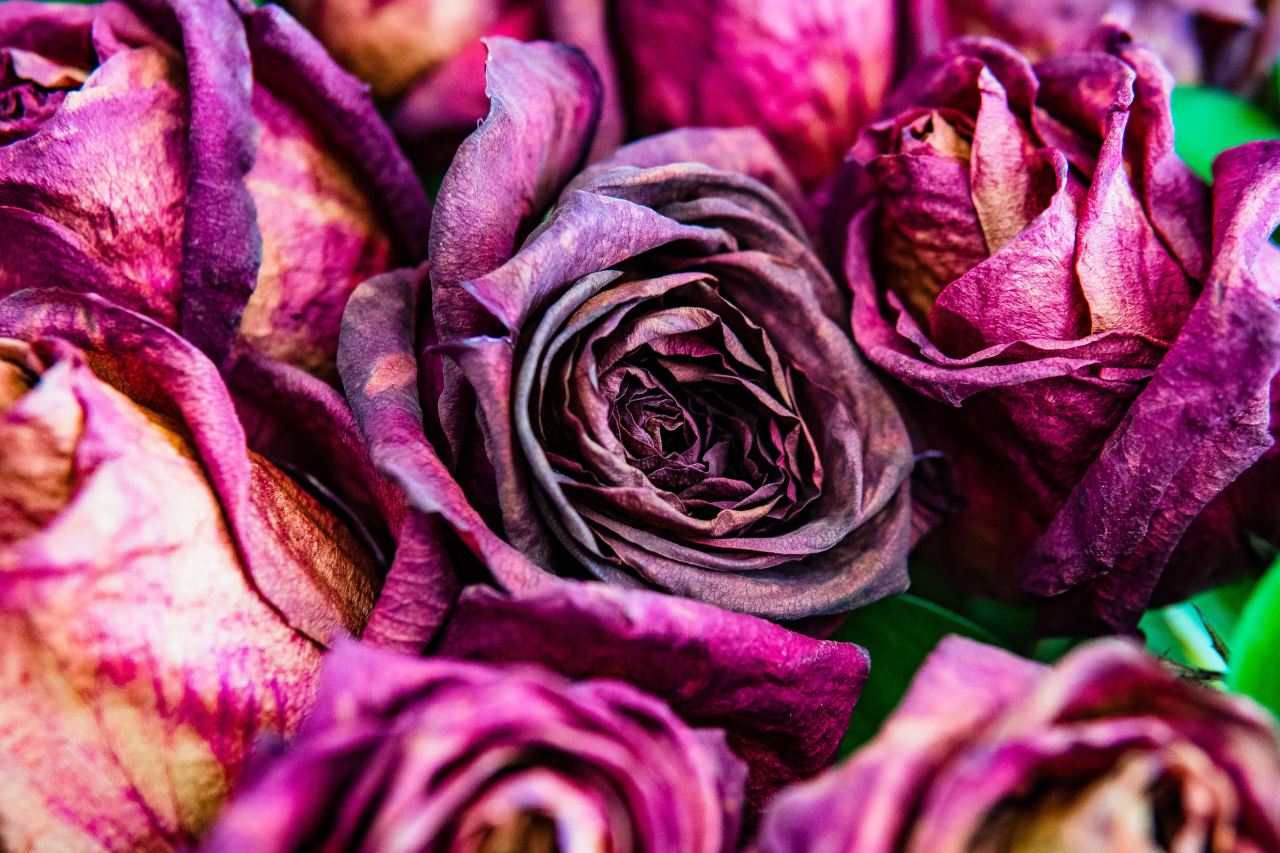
point(652, 387)
point(202, 162)
point(403, 753)
point(1107, 751)
point(165, 593)
point(1025, 248)
point(782, 698)
point(807, 74)
point(1228, 43)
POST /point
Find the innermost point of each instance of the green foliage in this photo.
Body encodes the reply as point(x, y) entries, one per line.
point(899, 632)
point(1255, 642)
point(1208, 121)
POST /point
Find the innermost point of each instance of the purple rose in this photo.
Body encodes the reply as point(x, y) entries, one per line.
point(1229, 43)
point(164, 592)
point(806, 74)
point(652, 385)
point(203, 163)
point(783, 699)
point(1025, 246)
point(403, 753)
point(1107, 751)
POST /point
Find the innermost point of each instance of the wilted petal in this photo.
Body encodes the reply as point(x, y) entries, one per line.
point(395, 756)
point(303, 563)
point(162, 588)
point(783, 698)
point(1108, 750)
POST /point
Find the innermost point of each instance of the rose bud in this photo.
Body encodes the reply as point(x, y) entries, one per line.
point(403, 753)
point(652, 387)
point(1108, 751)
point(202, 162)
point(164, 592)
point(782, 698)
point(1025, 247)
point(806, 74)
point(1227, 43)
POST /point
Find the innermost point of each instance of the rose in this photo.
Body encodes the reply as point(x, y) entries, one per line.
point(1231, 44)
point(807, 74)
point(203, 163)
point(782, 698)
point(664, 396)
point(1106, 751)
point(164, 592)
point(1024, 245)
point(409, 754)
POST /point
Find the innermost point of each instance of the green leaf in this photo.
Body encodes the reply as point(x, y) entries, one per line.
point(899, 632)
point(1208, 121)
point(1196, 634)
point(1254, 663)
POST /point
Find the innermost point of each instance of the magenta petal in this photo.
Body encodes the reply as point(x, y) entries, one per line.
point(395, 755)
point(380, 375)
point(544, 103)
point(1217, 376)
point(808, 75)
point(317, 605)
point(783, 698)
point(221, 242)
point(294, 64)
point(989, 751)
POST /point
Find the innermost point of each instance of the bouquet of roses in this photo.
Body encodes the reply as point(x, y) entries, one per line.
point(630, 426)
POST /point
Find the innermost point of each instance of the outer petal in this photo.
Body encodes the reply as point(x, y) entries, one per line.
point(984, 738)
point(337, 201)
point(866, 804)
point(544, 104)
point(300, 562)
point(138, 661)
point(221, 242)
point(296, 66)
point(608, 766)
point(375, 359)
point(808, 74)
point(783, 698)
point(1156, 474)
point(112, 228)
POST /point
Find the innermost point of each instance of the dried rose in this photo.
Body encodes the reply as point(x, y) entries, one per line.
point(202, 162)
point(783, 699)
point(409, 754)
point(1025, 245)
point(1108, 751)
point(665, 394)
point(164, 592)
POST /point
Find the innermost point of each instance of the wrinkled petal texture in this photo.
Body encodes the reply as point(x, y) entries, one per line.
point(157, 581)
point(395, 756)
point(1026, 246)
point(198, 162)
point(663, 391)
point(782, 698)
point(1106, 751)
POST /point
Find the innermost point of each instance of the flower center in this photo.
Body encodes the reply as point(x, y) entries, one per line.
point(32, 89)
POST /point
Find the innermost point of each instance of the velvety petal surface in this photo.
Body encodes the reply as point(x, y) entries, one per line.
point(782, 698)
point(395, 755)
point(1107, 750)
